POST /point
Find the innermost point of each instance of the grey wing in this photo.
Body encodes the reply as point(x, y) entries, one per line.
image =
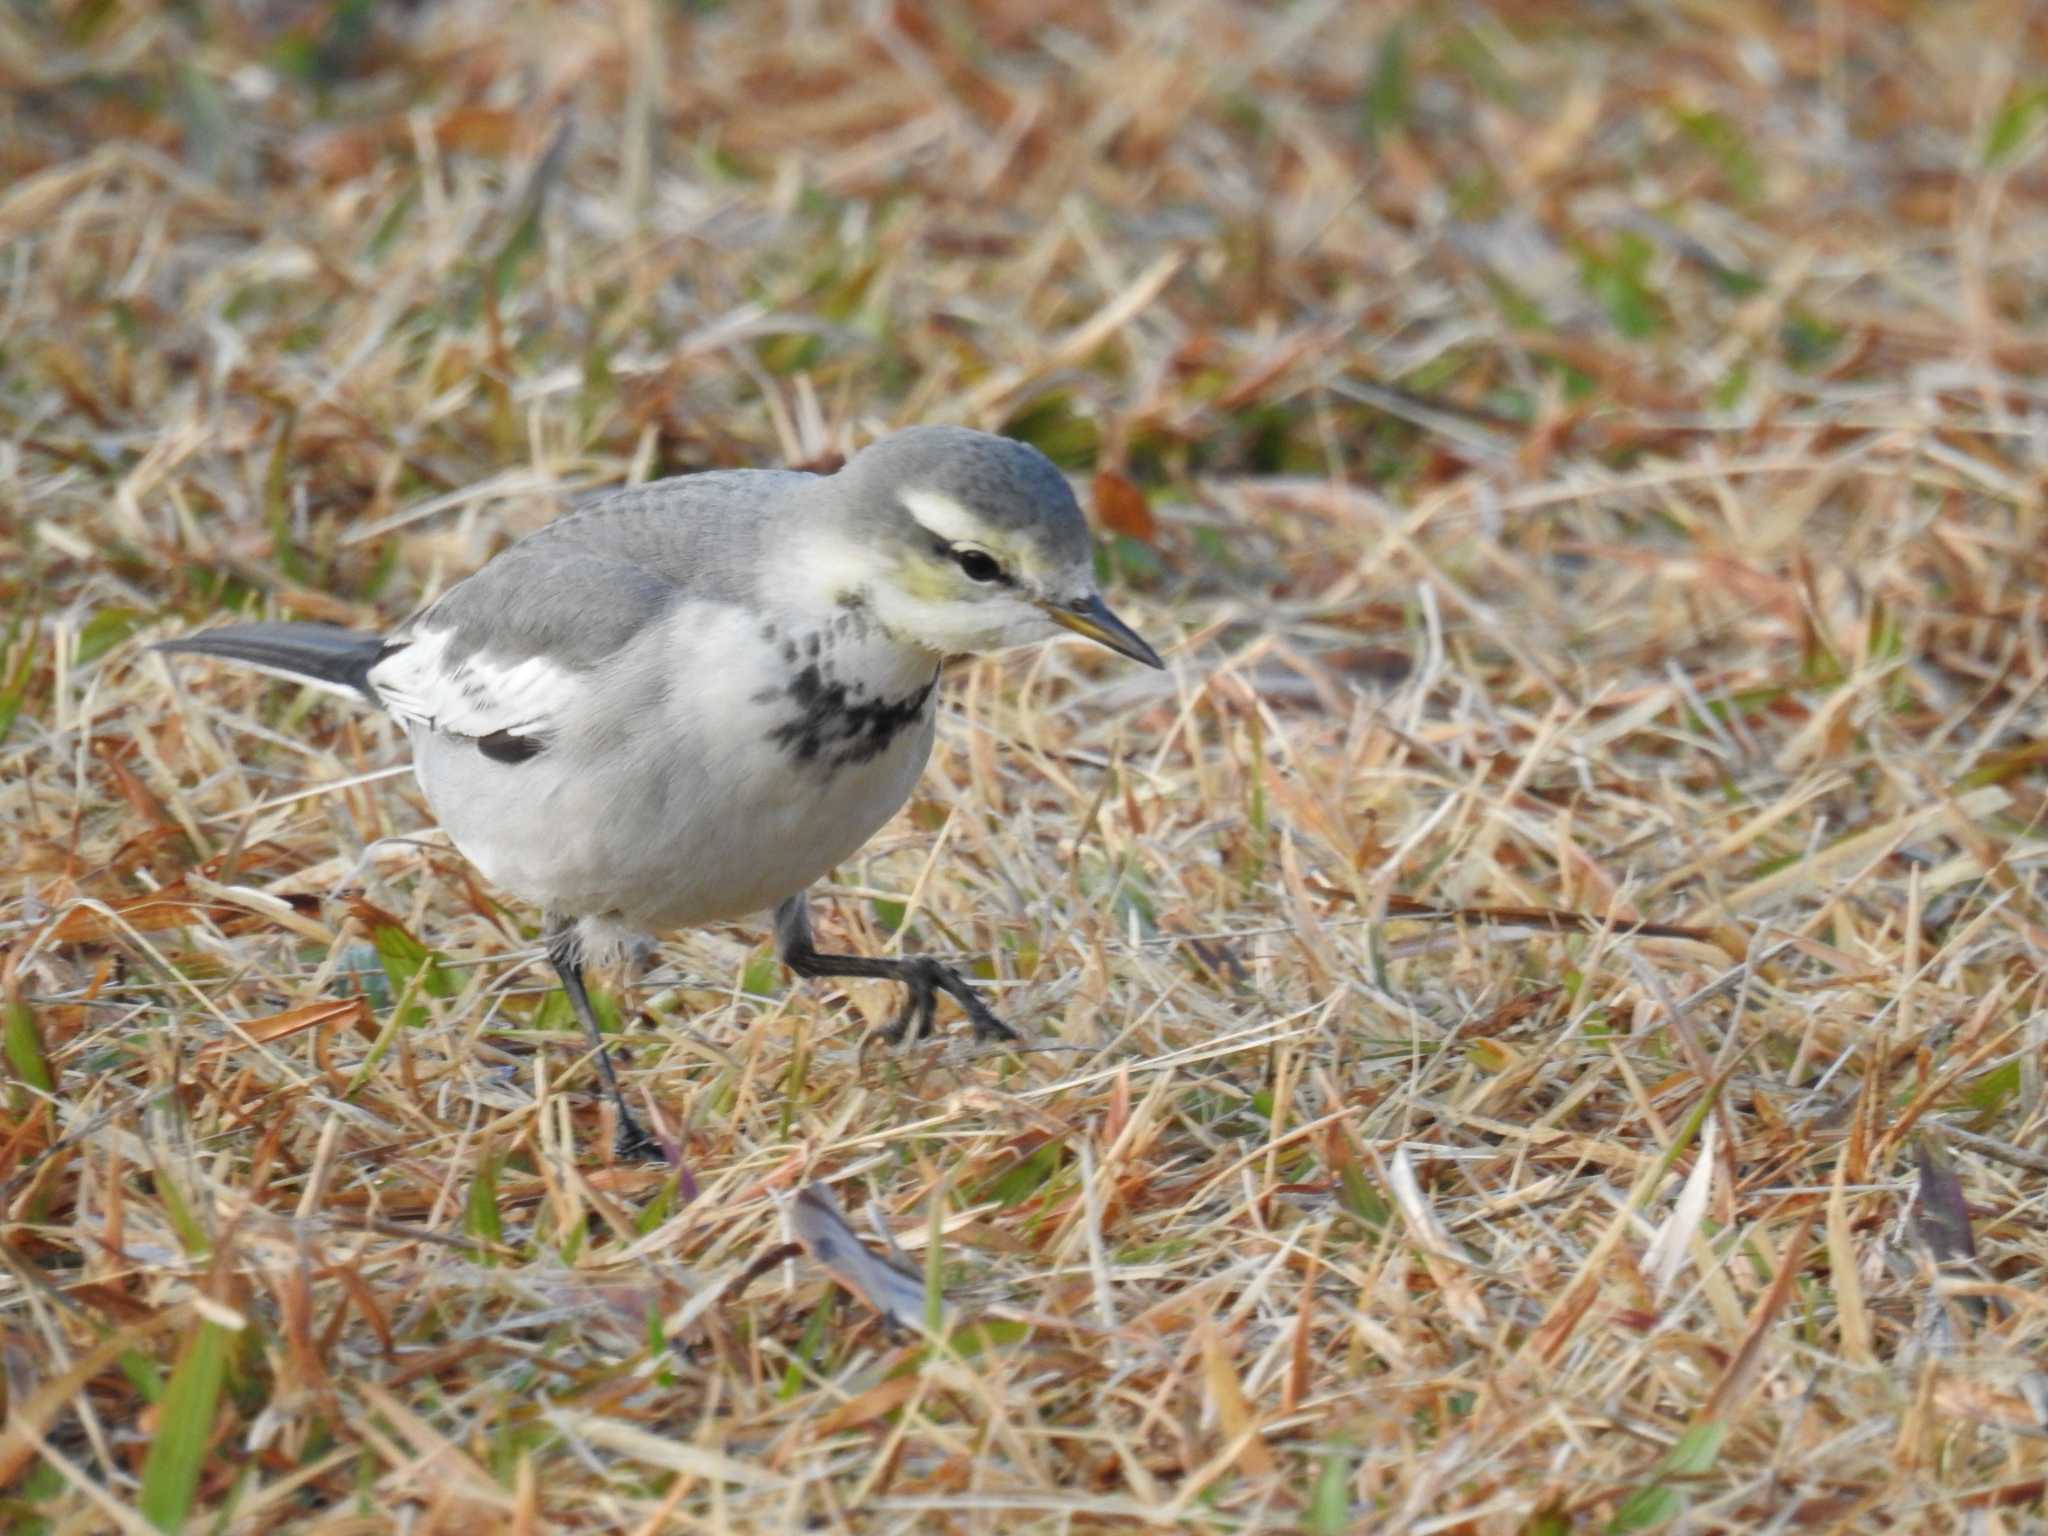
point(706, 534)
point(511, 649)
point(502, 656)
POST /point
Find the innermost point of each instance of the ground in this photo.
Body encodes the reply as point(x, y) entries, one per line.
point(1584, 466)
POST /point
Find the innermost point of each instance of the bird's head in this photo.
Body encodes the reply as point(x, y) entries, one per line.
point(962, 541)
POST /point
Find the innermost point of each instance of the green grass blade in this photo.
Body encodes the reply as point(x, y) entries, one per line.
point(170, 1473)
point(482, 1218)
point(24, 1047)
point(935, 1266)
point(1329, 1509)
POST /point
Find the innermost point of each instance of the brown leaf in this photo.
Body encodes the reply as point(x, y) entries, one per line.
point(1542, 917)
point(169, 908)
point(1381, 664)
point(1741, 1374)
point(1122, 508)
point(478, 130)
point(886, 1397)
point(138, 794)
point(323, 1015)
point(1508, 1014)
point(341, 153)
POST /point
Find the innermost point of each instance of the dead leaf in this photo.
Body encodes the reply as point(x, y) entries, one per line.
point(138, 794)
point(1941, 1216)
point(886, 1397)
point(1122, 508)
point(477, 130)
point(1233, 1413)
point(171, 907)
point(321, 1016)
point(1735, 1384)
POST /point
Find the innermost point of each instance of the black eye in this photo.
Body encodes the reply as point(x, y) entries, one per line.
point(978, 564)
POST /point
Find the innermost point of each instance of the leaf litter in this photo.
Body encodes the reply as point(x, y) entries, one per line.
point(1539, 1014)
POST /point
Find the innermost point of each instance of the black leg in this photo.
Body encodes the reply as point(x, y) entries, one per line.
point(923, 976)
point(631, 1144)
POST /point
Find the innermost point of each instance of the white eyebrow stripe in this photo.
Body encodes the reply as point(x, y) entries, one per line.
point(941, 515)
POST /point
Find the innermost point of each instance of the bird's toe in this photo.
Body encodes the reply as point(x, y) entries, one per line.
point(904, 1025)
point(633, 1143)
point(915, 1019)
point(987, 1027)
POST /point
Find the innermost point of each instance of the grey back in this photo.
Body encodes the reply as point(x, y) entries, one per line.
point(582, 587)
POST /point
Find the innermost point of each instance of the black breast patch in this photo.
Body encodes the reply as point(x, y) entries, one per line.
point(833, 728)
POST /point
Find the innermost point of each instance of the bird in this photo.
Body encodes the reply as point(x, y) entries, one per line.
point(686, 702)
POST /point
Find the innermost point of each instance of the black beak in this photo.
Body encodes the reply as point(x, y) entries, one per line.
point(1091, 617)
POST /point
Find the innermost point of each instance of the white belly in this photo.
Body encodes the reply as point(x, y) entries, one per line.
point(696, 794)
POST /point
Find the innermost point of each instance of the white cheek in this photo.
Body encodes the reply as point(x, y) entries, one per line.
point(1022, 624)
point(960, 626)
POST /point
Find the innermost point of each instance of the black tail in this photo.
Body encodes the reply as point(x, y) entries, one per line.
point(318, 653)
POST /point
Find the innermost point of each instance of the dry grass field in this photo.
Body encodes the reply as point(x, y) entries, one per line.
point(1585, 466)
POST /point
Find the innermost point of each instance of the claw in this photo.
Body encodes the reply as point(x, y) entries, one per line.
point(906, 1017)
point(918, 1017)
point(632, 1143)
point(915, 1019)
point(988, 1027)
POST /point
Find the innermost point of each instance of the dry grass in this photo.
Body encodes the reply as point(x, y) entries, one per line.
point(1585, 459)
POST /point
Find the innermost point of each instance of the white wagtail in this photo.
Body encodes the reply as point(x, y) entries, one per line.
point(687, 701)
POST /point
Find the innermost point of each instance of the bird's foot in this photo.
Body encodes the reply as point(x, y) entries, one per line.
point(987, 1027)
point(632, 1143)
point(924, 983)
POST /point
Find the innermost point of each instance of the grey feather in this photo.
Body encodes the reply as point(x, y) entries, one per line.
point(581, 588)
point(320, 653)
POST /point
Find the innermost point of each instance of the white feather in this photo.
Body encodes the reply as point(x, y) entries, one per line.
point(943, 516)
point(473, 696)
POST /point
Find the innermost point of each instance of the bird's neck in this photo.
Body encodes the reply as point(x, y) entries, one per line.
point(824, 617)
point(828, 584)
